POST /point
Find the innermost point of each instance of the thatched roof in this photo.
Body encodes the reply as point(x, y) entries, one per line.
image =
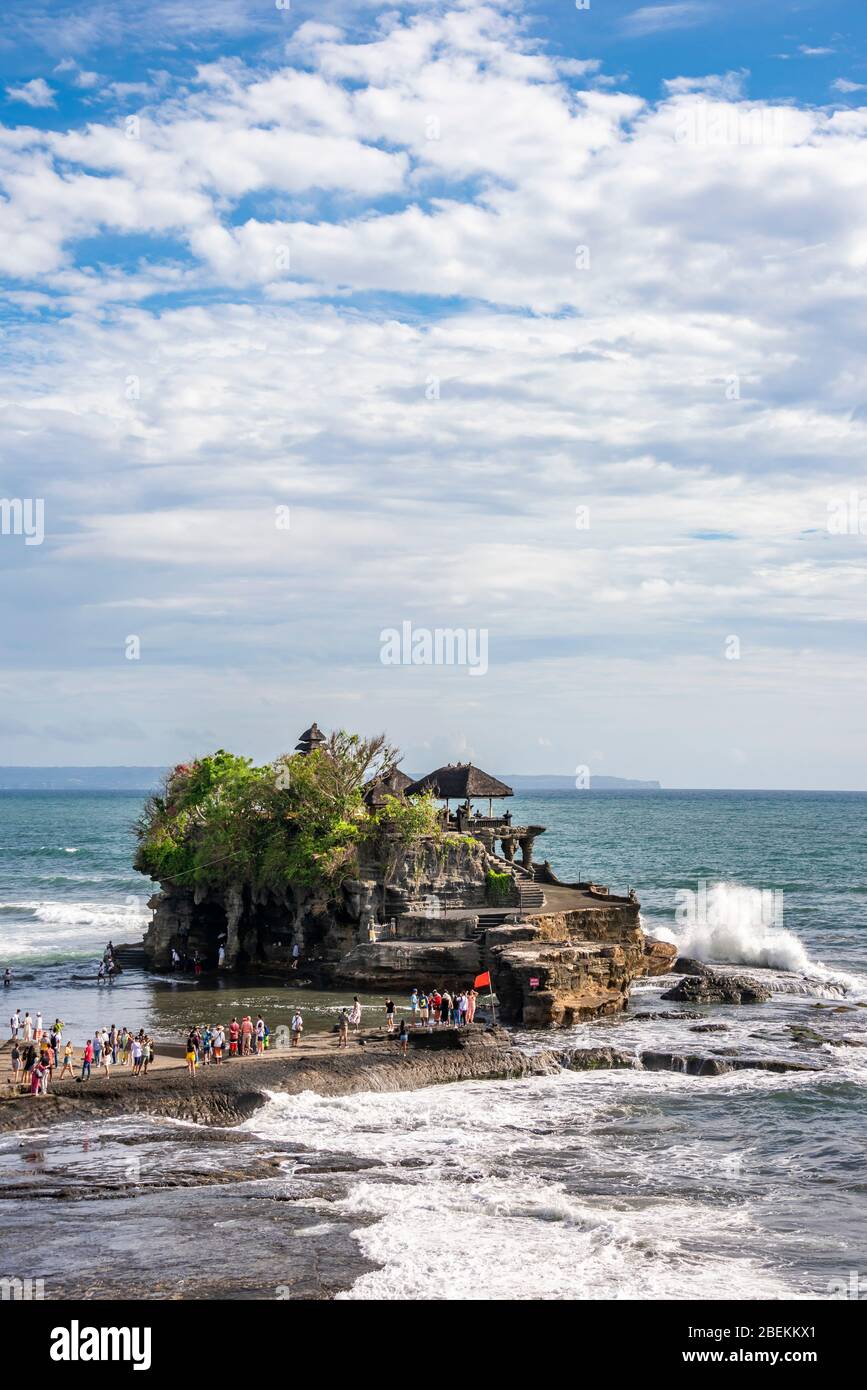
point(311, 738)
point(458, 781)
point(390, 783)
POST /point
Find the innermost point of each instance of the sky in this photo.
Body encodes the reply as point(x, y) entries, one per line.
point(540, 323)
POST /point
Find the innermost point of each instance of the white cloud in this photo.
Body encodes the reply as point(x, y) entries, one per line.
point(35, 93)
point(446, 160)
point(654, 19)
point(729, 86)
point(843, 84)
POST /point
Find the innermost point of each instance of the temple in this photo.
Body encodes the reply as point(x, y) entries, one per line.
point(434, 910)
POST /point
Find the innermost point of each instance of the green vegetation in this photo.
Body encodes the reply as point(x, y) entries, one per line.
point(498, 889)
point(299, 820)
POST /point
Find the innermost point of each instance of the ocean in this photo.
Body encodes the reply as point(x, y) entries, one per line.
point(626, 1184)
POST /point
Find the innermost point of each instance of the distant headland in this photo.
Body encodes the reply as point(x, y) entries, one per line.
point(147, 779)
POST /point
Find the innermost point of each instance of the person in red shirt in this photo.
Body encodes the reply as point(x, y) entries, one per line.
point(86, 1060)
point(234, 1034)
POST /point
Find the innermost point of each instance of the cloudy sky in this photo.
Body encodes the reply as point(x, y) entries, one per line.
point(534, 319)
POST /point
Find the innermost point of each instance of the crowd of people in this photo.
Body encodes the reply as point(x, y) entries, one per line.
point(430, 1007)
point(37, 1053)
point(209, 1044)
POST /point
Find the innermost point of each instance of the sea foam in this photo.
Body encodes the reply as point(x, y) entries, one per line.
point(734, 927)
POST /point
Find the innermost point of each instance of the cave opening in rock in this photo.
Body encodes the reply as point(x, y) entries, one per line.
point(208, 932)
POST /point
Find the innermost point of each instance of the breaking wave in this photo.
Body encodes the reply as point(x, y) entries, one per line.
point(734, 924)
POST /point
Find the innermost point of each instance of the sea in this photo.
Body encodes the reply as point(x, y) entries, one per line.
point(628, 1184)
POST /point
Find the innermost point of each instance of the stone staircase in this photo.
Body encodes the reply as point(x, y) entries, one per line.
point(530, 896)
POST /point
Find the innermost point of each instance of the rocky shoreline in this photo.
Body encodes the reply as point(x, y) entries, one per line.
point(229, 1094)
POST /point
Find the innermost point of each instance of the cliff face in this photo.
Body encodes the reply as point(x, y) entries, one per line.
point(424, 882)
point(565, 967)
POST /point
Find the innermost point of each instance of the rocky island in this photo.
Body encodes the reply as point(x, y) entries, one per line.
point(333, 863)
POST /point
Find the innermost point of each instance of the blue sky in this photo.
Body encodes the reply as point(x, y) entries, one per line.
point(433, 277)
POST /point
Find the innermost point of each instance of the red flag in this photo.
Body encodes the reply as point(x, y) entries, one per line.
point(484, 979)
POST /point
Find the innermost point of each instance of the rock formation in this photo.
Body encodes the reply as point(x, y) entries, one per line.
point(551, 969)
point(712, 988)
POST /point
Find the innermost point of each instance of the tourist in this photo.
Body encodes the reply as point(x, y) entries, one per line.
point(355, 1014)
point(100, 974)
point(15, 1024)
point(422, 1007)
point(472, 996)
point(15, 1062)
point(446, 1007)
point(7, 978)
point(403, 1037)
point(389, 1015)
point(413, 1004)
point(296, 955)
point(234, 1034)
point(87, 1060)
point(36, 1075)
point(343, 1029)
point(105, 1058)
point(191, 1053)
point(260, 1035)
point(207, 1036)
point(246, 1035)
point(219, 1043)
point(97, 1047)
point(297, 1027)
point(28, 1028)
point(147, 1054)
point(38, 1034)
point(136, 1057)
point(68, 1055)
point(176, 960)
point(221, 957)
